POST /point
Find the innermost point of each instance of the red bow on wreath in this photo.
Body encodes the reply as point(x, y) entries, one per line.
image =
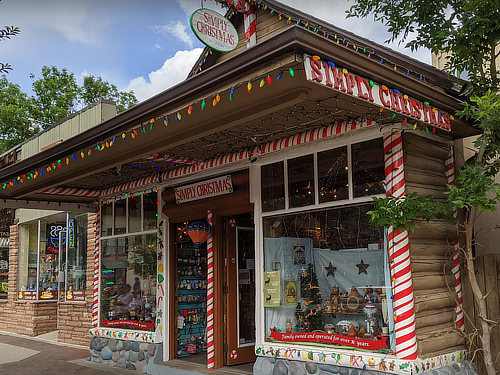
point(241, 6)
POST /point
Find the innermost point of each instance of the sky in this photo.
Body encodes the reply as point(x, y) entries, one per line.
point(146, 46)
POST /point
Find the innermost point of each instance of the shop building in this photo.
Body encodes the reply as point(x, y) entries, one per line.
point(231, 211)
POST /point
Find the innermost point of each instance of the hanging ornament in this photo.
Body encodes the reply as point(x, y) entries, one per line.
point(316, 58)
point(198, 231)
point(372, 84)
point(165, 120)
point(291, 71)
point(179, 116)
point(190, 109)
point(249, 86)
point(231, 94)
point(269, 80)
point(203, 104)
point(262, 83)
point(362, 267)
point(279, 76)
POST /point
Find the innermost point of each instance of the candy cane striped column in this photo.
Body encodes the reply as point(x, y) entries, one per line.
point(250, 24)
point(210, 294)
point(97, 270)
point(399, 253)
point(455, 260)
point(455, 270)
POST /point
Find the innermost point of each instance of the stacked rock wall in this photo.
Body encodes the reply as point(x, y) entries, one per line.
point(131, 355)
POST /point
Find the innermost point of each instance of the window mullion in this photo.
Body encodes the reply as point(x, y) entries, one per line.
point(285, 178)
point(349, 172)
point(316, 179)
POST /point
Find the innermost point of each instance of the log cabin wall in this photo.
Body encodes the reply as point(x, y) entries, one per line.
point(267, 26)
point(431, 245)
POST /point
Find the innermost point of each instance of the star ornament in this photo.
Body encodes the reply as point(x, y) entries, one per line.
point(362, 267)
point(330, 270)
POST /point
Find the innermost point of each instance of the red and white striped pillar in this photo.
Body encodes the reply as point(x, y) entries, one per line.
point(399, 252)
point(455, 260)
point(97, 270)
point(210, 294)
point(250, 24)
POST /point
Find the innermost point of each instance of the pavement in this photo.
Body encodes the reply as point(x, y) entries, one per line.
point(22, 356)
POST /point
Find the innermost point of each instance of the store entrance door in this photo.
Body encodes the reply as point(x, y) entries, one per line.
point(239, 290)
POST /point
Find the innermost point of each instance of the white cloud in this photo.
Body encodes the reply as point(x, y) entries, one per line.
point(75, 21)
point(173, 71)
point(176, 29)
point(189, 6)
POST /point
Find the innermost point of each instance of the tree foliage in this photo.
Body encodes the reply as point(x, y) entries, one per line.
point(15, 112)
point(467, 31)
point(56, 95)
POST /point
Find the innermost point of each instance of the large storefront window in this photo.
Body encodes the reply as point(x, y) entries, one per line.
point(128, 263)
point(4, 272)
point(50, 266)
point(325, 274)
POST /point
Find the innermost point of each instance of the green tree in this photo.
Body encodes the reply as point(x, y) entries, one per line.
point(56, 95)
point(95, 89)
point(15, 114)
point(468, 33)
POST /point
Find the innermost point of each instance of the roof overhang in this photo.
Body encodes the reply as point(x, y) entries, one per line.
point(284, 49)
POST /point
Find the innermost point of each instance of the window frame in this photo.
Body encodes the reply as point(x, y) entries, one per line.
point(61, 292)
point(142, 232)
point(259, 215)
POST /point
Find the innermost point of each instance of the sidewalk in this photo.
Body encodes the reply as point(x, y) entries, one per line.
point(22, 356)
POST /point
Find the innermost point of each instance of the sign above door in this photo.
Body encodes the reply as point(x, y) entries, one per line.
point(214, 30)
point(204, 189)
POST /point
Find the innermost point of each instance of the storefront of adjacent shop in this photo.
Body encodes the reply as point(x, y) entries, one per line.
point(231, 214)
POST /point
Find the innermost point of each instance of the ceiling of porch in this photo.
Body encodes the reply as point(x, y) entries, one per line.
point(318, 108)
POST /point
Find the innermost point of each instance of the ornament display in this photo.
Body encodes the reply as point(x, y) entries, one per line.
point(198, 231)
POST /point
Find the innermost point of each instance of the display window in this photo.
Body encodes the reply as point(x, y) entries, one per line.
point(129, 262)
point(4, 272)
point(52, 258)
point(325, 279)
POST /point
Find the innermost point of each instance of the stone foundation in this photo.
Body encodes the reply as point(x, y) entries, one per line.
point(131, 355)
point(273, 366)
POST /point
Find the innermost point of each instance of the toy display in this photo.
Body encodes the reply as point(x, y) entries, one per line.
point(191, 296)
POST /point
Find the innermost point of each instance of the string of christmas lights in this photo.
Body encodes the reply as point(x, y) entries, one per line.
point(325, 32)
point(202, 104)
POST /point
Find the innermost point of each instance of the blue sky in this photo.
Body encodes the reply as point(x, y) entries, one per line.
point(142, 45)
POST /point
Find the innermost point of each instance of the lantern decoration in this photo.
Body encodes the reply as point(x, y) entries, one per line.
point(198, 231)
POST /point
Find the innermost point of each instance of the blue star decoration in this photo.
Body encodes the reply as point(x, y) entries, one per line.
point(330, 270)
point(362, 267)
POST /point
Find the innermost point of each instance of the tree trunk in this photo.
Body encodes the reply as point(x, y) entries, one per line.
point(479, 297)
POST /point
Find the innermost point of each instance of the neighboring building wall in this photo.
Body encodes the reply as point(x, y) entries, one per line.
point(74, 319)
point(24, 317)
point(33, 318)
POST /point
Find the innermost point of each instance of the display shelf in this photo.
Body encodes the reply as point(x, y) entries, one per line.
point(187, 292)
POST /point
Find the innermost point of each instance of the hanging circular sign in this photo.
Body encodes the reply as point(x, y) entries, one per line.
point(214, 30)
